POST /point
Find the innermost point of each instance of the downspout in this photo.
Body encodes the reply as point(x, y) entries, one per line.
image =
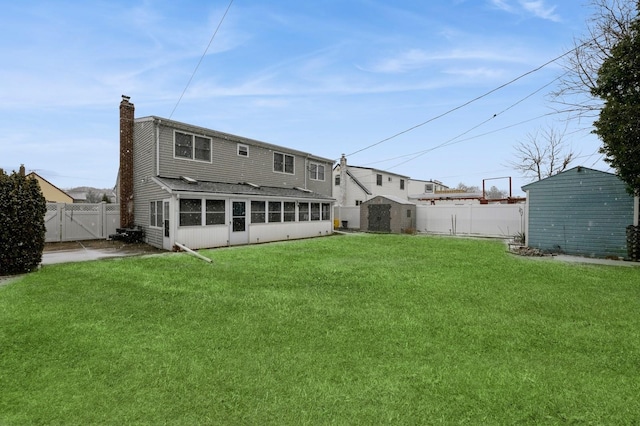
point(158, 123)
point(636, 210)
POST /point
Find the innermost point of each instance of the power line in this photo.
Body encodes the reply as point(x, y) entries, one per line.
point(453, 140)
point(472, 100)
point(201, 58)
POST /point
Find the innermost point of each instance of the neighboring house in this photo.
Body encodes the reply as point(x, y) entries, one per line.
point(580, 211)
point(419, 189)
point(353, 185)
point(388, 214)
point(85, 194)
point(203, 188)
point(51, 193)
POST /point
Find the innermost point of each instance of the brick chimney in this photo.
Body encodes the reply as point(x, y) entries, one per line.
point(126, 163)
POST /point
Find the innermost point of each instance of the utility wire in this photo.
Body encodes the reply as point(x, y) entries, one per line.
point(453, 140)
point(201, 58)
point(474, 99)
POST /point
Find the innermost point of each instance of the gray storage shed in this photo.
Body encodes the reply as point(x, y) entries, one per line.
point(581, 212)
point(386, 213)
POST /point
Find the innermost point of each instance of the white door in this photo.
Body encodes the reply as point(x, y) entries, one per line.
point(166, 225)
point(238, 226)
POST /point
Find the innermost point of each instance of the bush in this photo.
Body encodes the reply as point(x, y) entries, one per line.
point(22, 229)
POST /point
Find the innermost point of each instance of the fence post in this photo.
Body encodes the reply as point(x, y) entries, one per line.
point(102, 218)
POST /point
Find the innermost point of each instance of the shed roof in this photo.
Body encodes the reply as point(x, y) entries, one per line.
point(394, 199)
point(550, 179)
point(243, 188)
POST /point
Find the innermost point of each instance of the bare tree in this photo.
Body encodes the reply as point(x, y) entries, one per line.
point(468, 188)
point(495, 194)
point(609, 23)
point(543, 154)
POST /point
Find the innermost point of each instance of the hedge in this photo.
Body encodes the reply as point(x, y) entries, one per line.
point(22, 227)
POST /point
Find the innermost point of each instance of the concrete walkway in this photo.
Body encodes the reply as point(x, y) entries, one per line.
point(81, 255)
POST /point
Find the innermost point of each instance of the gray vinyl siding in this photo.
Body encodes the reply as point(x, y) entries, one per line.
point(228, 167)
point(146, 190)
point(580, 212)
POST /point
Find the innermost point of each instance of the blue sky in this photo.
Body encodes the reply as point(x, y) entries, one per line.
point(326, 77)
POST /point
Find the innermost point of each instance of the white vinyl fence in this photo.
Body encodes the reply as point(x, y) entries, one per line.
point(487, 220)
point(74, 222)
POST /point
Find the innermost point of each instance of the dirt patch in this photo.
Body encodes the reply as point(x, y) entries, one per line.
point(102, 244)
point(527, 251)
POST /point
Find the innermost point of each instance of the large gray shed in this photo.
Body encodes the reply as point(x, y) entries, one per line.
point(386, 213)
point(581, 211)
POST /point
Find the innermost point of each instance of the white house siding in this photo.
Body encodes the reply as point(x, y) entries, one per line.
point(197, 237)
point(368, 178)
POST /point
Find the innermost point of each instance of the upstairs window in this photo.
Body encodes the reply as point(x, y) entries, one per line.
point(379, 180)
point(316, 171)
point(192, 147)
point(337, 180)
point(243, 150)
point(401, 183)
point(282, 163)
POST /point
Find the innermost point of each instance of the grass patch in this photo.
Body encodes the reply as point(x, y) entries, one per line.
point(356, 329)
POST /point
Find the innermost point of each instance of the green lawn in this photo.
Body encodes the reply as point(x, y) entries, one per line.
point(357, 329)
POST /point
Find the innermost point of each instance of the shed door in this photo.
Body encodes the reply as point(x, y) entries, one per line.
point(380, 217)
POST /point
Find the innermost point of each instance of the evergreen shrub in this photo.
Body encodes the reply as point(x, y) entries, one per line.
point(22, 227)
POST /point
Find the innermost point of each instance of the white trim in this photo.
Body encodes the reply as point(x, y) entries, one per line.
point(241, 145)
point(193, 147)
point(284, 162)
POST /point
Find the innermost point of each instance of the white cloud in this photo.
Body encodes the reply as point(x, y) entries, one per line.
point(539, 9)
point(502, 5)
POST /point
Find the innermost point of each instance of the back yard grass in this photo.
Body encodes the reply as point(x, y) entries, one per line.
point(357, 329)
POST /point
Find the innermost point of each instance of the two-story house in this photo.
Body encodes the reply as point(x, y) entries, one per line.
point(353, 185)
point(203, 188)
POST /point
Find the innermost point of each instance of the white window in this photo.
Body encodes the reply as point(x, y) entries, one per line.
point(315, 211)
point(155, 214)
point(192, 147)
point(258, 212)
point(289, 211)
point(316, 172)
point(215, 213)
point(282, 163)
point(303, 212)
point(275, 211)
point(190, 212)
point(243, 150)
point(326, 211)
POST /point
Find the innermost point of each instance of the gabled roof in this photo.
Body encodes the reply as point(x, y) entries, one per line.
point(244, 189)
point(572, 170)
point(394, 199)
point(360, 184)
point(53, 187)
point(372, 169)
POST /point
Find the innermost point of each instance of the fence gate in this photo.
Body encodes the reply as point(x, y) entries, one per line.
point(74, 222)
